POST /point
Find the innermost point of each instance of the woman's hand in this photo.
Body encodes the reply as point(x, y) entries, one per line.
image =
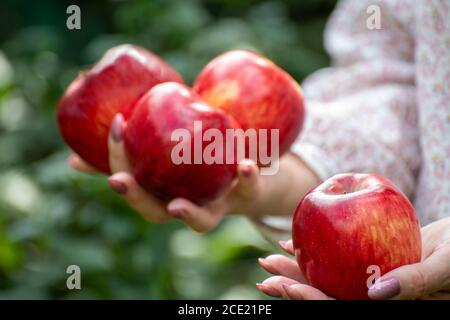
point(239, 196)
point(428, 279)
point(251, 194)
point(289, 282)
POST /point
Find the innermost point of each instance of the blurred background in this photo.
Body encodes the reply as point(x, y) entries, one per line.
point(52, 217)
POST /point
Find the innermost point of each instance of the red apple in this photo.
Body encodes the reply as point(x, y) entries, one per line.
point(150, 144)
point(350, 227)
point(256, 92)
point(113, 85)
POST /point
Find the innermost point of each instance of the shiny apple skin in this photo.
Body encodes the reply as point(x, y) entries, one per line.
point(147, 138)
point(256, 92)
point(337, 235)
point(113, 85)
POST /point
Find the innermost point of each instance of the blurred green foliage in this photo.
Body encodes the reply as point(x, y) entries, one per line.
point(52, 217)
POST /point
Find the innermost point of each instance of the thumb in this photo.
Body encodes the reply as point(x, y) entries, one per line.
point(198, 218)
point(248, 178)
point(414, 280)
point(117, 157)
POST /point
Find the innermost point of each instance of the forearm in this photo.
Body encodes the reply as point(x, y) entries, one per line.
point(280, 193)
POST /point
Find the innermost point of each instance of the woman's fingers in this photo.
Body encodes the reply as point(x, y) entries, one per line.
point(289, 282)
point(246, 186)
point(415, 280)
point(248, 178)
point(80, 165)
point(145, 204)
point(273, 286)
point(152, 209)
point(124, 183)
point(118, 161)
point(289, 289)
point(268, 290)
point(200, 219)
point(429, 278)
point(287, 246)
point(299, 291)
point(278, 264)
point(206, 218)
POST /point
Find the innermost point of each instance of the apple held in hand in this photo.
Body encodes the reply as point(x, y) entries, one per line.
point(256, 92)
point(351, 227)
point(113, 85)
point(176, 145)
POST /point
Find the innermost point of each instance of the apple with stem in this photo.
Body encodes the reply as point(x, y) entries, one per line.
point(350, 228)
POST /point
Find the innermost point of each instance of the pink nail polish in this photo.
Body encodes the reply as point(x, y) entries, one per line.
point(178, 214)
point(117, 186)
point(268, 290)
point(284, 245)
point(267, 266)
point(247, 172)
point(72, 161)
point(385, 289)
point(117, 128)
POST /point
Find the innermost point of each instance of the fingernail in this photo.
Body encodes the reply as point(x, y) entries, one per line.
point(247, 171)
point(178, 214)
point(72, 161)
point(268, 290)
point(117, 128)
point(385, 289)
point(291, 293)
point(267, 266)
point(118, 186)
point(283, 245)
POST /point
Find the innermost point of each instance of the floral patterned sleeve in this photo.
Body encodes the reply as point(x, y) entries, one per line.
point(384, 105)
point(361, 113)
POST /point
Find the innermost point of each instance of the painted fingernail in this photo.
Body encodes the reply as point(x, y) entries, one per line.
point(118, 186)
point(267, 266)
point(284, 245)
point(117, 128)
point(291, 293)
point(178, 214)
point(72, 161)
point(385, 289)
point(247, 171)
point(268, 290)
